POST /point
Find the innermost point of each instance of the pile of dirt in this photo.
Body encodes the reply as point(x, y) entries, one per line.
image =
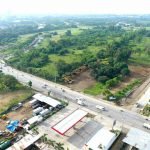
point(82, 81)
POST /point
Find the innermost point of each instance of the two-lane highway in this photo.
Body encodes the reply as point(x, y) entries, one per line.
point(125, 116)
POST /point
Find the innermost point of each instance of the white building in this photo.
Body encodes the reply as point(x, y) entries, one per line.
point(102, 140)
point(48, 100)
point(25, 142)
point(145, 99)
point(138, 139)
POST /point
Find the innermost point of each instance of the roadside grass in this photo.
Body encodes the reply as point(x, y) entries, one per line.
point(24, 95)
point(51, 69)
point(69, 58)
point(146, 110)
point(96, 89)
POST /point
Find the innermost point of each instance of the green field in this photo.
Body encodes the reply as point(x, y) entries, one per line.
point(96, 89)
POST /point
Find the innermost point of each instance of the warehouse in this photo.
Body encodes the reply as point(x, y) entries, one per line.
point(67, 123)
point(102, 140)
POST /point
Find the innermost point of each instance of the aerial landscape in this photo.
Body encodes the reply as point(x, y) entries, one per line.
point(74, 75)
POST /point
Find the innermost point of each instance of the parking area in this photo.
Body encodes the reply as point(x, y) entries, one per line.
point(78, 135)
point(83, 134)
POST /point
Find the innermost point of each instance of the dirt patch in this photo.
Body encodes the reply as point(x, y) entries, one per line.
point(137, 72)
point(82, 81)
point(24, 112)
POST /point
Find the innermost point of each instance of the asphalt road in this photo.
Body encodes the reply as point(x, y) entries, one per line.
point(122, 115)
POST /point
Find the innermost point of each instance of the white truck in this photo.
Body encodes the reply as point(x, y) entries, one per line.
point(146, 125)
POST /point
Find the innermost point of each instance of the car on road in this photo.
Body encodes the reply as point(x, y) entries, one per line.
point(81, 101)
point(44, 86)
point(100, 107)
point(148, 119)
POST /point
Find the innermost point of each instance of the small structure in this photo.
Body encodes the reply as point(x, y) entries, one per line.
point(102, 140)
point(25, 142)
point(67, 123)
point(145, 99)
point(138, 139)
point(48, 100)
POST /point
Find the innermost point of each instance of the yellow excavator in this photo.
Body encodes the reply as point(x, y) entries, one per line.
point(4, 117)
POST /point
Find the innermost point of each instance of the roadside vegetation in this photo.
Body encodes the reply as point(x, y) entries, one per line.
point(10, 86)
point(9, 83)
point(146, 110)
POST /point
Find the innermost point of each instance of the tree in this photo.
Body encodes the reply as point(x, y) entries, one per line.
point(30, 84)
point(102, 79)
point(68, 33)
point(125, 71)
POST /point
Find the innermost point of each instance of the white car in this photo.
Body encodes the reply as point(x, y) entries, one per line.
point(81, 101)
point(100, 107)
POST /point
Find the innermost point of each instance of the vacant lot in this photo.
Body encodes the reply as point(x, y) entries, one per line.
point(11, 98)
point(83, 81)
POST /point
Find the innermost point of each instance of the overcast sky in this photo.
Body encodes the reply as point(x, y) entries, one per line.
point(74, 6)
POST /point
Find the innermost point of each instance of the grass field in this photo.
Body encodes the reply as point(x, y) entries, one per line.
point(141, 55)
point(96, 89)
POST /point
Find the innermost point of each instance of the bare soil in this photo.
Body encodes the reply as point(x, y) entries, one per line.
point(137, 72)
point(24, 112)
point(82, 81)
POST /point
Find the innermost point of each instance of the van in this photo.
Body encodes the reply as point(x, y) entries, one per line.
point(146, 125)
point(100, 107)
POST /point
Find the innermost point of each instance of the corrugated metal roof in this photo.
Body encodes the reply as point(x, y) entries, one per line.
point(25, 142)
point(103, 138)
point(138, 139)
point(48, 100)
point(68, 122)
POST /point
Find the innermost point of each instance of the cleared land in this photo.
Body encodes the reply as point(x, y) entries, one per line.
point(8, 99)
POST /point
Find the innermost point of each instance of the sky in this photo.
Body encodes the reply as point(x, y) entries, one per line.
point(74, 7)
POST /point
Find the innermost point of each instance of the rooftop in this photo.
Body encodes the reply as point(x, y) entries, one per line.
point(68, 122)
point(102, 140)
point(48, 100)
point(138, 138)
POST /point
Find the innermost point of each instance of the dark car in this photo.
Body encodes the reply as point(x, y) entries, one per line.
point(60, 106)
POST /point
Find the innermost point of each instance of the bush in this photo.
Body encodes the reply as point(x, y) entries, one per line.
point(102, 79)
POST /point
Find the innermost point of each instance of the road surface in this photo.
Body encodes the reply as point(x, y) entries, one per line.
point(59, 91)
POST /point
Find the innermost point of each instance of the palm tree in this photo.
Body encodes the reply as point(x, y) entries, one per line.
point(44, 138)
point(51, 143)
point(59, 146)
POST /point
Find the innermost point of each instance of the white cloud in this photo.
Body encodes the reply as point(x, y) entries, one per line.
point(75, 6)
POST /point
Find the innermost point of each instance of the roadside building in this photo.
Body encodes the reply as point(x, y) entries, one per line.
point(102, 140)
point(138, 139)
point(70, 121)
point(26, 142)
point(145, 98)
point(48, 100)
